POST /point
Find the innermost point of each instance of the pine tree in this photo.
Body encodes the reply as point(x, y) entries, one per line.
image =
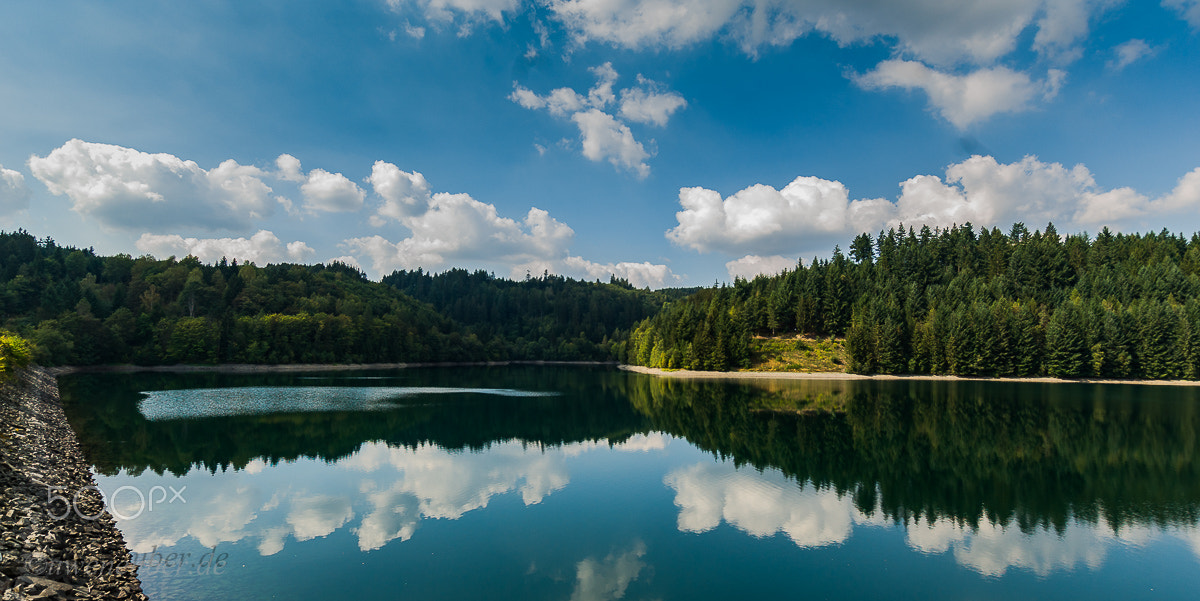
point(862, 249)
point(890, 347)
point(1190, 336)
point(861, 345)
point(1161, 355)
point(1067, 353)
point(1001, 315)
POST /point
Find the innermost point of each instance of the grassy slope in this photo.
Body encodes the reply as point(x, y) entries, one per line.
point(798, 354)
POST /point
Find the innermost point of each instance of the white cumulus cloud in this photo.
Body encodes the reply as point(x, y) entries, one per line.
point(403, 193)
point(985, 191)
point(331, 192)
point(458, 228)
point(414, 31)
point(601, 94)
point(471, 10)
point(750, 266)
point(528, 98)
point(944, 34)
point(964, 99)
point(321, 190)
point(939, 31)
point(643, 105)
point(642, 23)
point(1065, 22)
point(603, 135)
point(344, 260)
point(126, 188)
point(1130, 52)
point(261, 248)
point(14, 195)
point(289, 168)
point(761, 220)
point(641, 275)
point(1189, 10)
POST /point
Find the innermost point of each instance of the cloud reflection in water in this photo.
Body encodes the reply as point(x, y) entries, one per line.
point(766, 503)
point(394, 489)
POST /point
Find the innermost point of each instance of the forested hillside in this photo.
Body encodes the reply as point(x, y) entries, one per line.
point(961, 301)
point(82, 309)
point(547, 317)
point(942, 301)
point(79, 308)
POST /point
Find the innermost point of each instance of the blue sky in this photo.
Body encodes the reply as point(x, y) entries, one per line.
point(672, 142)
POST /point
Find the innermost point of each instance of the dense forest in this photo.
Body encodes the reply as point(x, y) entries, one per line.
point(82, 309)
point(936, 301)
point(78, 308)
point(964, 302)
point(551, 317)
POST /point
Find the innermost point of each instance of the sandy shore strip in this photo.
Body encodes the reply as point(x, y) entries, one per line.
point(787, 375)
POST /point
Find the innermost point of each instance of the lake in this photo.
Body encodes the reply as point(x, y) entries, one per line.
point(593, 483)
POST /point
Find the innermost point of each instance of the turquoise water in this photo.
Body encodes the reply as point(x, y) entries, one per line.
point(572, 483)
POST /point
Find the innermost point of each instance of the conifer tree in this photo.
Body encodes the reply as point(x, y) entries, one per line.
point(1161, 354)
point(1067, 353)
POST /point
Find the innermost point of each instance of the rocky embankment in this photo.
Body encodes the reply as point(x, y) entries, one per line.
point(56, 539)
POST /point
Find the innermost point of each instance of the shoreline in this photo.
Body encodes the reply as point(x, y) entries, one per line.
point(59, 541)
point(250, 368)
point(253, 368)
point(685, 374)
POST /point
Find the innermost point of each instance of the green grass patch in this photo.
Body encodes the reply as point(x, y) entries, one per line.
point(798, 354)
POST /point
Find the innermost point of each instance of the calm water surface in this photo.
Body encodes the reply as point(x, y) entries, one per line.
point(590, 484)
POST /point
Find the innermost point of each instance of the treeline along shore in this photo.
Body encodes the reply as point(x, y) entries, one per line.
point(79, 308)
point(961, 301)
point(955, 301)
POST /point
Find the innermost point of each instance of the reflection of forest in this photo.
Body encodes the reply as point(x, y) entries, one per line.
point(115, 435)
point(1026, 454)
point(1029, 454)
